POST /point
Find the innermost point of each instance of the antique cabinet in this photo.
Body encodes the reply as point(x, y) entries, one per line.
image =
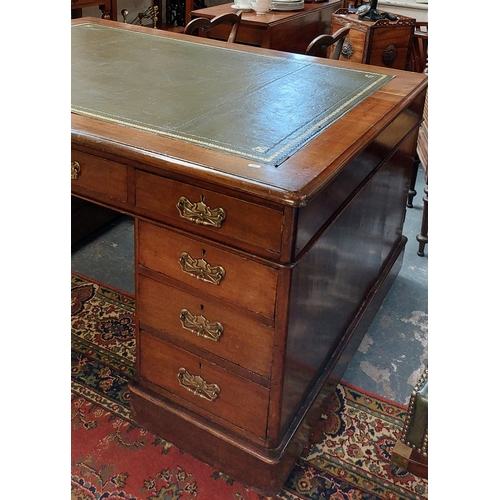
point(380, 43)
point(268, 226)
point(108, 8)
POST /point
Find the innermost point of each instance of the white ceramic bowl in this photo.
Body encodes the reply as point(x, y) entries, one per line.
point(243, 6)
point(261, 7)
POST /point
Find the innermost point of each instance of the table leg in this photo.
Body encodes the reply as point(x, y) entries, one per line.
point(422, 238)
point(106, 10)
point(412, 192)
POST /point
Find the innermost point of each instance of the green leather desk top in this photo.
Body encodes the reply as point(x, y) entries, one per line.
point(257, 106)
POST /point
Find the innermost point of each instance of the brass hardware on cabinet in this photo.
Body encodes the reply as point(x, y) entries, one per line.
point(201, 326)
point(198, 386)
point(201, 269)
point(75, 170)
point(200, 213)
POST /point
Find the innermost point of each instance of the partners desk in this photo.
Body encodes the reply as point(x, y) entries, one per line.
point(269, 193)
point(288, 31)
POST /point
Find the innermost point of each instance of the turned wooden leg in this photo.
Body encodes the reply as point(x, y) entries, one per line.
point(411, 191)
point(106, 13)
point(422, 237)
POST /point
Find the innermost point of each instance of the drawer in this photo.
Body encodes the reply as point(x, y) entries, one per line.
point(105, 177)
point(206, 324)
point(212, 270)
point(203, 384)
point(355, 41)
point(207, 212)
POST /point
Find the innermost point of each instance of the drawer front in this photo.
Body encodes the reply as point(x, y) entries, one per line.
point(210, 269)
point(206, 324)
point(105, 177)
point(234, 399)
point(207, 212)
point(354, 44)
point(390, 47)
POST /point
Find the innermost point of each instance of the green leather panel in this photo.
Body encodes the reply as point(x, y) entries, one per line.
point(257, 106)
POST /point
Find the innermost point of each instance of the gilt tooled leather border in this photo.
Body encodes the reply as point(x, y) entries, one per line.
point(305, 115)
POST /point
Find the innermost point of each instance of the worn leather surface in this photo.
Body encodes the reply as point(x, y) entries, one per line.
point(418, 423)
point(256, 106)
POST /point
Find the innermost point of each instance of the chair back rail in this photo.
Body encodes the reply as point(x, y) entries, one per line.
point(205, 25)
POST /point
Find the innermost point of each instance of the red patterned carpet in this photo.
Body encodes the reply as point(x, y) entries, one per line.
point(348, 457)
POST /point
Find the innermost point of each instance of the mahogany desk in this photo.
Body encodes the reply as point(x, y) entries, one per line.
point(288, 31)
point(269, 192)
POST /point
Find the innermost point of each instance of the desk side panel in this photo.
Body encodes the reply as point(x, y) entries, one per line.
point(335, 275)
point(327, 204)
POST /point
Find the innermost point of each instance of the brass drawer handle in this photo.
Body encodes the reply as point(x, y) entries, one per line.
point(75, 170)
point(201, 326)
point(200, 213)
point(198, 386)
point(201, 269)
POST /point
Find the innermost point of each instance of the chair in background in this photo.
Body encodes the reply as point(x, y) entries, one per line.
point(419, 64)
point(201, 23)
point(418, 49)
point(422, 153)
point(410, 451)
point(321, 46)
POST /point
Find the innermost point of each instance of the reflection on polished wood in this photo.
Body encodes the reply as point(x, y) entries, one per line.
point(308, 246)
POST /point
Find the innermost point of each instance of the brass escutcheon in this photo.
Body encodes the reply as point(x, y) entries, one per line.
point(201, 326)
point(200, 213)
point(201, 269)
point(198, 386)
point(75, 170)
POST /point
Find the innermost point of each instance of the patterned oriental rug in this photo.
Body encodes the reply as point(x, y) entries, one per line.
point(348, 457)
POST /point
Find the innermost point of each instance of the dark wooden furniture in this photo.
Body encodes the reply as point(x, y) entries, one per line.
point(418, 63)
point(108, 8)
point(288, 31)
point(380, 43)
point(88, 218)
point(268, 205)
point(422, 154)
point(322, 45)
point(204, 25)
point(419, 47)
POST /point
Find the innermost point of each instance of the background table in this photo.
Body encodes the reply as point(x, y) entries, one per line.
point(108, 8)
point(288, 31)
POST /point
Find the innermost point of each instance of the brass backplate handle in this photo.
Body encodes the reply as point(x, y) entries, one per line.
point(201, 326)
point(198, 386)
point(201, 269)
point(200, 213)
point(75, 170)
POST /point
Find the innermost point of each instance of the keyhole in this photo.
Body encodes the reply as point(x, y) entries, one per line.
point(203, 252)
point(201, 366)
point(202, 307)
